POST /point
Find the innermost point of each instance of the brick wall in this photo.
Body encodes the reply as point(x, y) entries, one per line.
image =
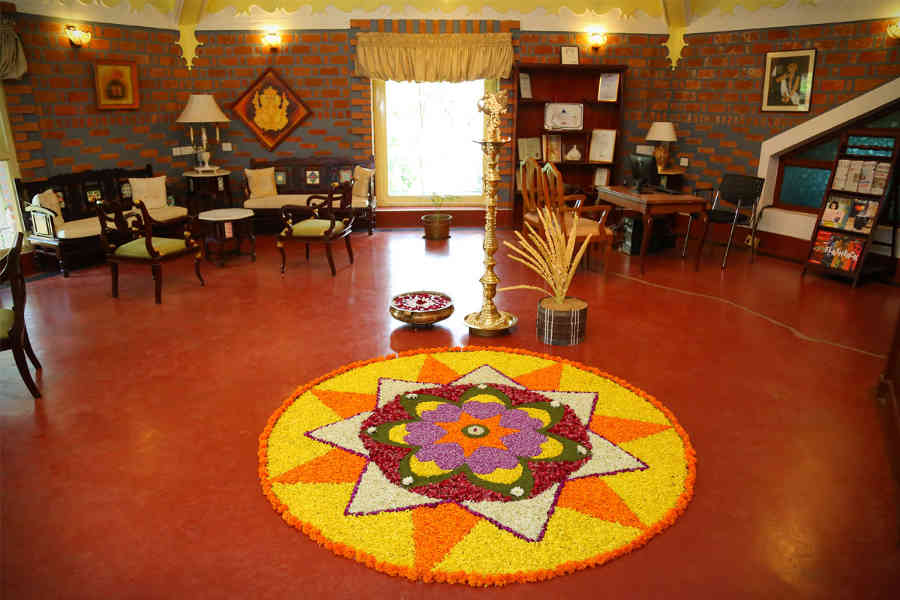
point(55, 123)
point(714, 96)
point(57, 127)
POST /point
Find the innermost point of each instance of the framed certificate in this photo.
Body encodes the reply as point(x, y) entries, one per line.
point(603, 146)
point(563, 116)
point(569, 55)
point(608, 88)
point(524, 85)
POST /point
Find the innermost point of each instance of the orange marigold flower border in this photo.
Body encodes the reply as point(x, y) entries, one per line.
point(474, 579)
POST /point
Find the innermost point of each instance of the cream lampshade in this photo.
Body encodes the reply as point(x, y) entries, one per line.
point(662, 131)
point(202, 109)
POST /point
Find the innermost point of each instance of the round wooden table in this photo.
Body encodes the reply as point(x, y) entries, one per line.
point(225, 224)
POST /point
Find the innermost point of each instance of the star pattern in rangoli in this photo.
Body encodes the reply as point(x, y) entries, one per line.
point(526, 518)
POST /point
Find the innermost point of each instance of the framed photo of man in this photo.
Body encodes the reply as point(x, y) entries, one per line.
point(788, 82)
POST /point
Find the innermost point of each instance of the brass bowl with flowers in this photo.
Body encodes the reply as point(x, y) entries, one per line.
point(422, 308)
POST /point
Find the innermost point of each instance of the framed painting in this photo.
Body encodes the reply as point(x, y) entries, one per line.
point(313, 177)
point(788, 82)
point(270, 109)
point(116, 84)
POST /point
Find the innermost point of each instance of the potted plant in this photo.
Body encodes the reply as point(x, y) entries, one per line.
point(561, 320)
point(437, 224)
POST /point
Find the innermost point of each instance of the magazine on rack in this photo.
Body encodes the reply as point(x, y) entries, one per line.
point(836, 251)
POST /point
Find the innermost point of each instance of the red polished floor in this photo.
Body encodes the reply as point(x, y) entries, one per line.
point(135, 476)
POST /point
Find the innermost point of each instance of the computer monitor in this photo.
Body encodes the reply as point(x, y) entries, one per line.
point(643, 171)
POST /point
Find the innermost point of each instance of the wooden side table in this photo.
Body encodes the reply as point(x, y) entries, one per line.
point(671, 175)
point(225, 224)
point(208, 190)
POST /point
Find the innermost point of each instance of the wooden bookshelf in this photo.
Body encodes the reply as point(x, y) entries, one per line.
point(571, 84)
point(854, 206)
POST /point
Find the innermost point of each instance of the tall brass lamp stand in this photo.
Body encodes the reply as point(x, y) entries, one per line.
point(490, 321)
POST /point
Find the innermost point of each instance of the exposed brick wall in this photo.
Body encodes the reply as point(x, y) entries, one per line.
point(57, 127)
point(714, 96)
point(315, 64)
point(55, 123)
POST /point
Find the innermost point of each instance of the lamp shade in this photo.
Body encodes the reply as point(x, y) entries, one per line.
point(202, 108)
point(661, 131)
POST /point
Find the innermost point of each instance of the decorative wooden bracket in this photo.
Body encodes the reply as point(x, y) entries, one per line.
point(676, 13)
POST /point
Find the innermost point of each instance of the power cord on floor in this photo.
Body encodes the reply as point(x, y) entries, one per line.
point(793, 330)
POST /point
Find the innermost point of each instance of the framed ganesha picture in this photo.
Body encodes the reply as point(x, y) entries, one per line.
point(270, 109)
point(116, 84)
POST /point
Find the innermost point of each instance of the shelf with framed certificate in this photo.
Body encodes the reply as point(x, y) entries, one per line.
point(570, 115)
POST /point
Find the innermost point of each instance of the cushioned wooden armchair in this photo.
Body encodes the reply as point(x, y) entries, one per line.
point(591, 219)
point(130, 239)
point(13, 335)
point(325, 219)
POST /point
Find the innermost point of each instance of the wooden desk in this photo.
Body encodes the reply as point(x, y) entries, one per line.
point(652, 205)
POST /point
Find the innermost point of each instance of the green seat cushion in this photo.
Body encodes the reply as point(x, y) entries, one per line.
point(6, 322)
point(316, 228)
point(138, 248)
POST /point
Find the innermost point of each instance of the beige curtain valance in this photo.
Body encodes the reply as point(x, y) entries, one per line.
point(434, 56)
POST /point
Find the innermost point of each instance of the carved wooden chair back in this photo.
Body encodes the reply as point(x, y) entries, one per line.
point(15, 338)
point(531, 186)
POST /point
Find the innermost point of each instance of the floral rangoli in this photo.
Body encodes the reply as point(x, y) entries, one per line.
point(475, 465)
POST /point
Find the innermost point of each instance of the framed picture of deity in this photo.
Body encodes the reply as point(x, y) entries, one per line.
point(270, 109)
point(116, 84)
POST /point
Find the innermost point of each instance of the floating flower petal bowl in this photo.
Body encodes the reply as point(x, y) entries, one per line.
point(422, 308)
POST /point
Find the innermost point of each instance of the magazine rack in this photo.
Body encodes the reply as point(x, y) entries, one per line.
point(859, 189)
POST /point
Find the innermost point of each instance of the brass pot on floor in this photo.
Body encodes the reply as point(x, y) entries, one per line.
point(437, 226)
point(562, 325)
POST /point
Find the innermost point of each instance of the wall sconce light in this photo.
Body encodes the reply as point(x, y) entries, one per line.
point(597, 38)
point(77, 37)
point(893, 30)
point(272, 39)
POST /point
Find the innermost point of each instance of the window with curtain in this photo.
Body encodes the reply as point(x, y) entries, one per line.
point(424, 137)
point(10, 219)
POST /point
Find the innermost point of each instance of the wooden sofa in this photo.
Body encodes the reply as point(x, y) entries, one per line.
point(298, 178)
point(74, 234)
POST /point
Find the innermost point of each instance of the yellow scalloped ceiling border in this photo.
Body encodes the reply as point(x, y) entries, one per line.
point(652, 7)
point(675, 12)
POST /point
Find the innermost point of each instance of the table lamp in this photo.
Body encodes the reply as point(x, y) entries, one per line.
point(664, 132)
point(202, 110)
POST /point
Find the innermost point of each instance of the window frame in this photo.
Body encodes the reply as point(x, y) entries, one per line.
point(379, 135)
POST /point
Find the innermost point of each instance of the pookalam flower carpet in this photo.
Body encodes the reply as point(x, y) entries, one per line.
point(482, 466)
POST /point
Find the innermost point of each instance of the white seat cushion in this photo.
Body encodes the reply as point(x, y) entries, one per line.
point(276, 201)
point(149, 190)
point(167, 212)
point(80, 228)
point(50, 200)
point(361, 178)
point(359, 201)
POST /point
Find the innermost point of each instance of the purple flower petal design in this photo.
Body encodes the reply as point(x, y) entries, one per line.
point(446, 413)
point(420, 433)
point(485, 460)
point(525, 442)
point(446, 456)
point(519, 419)
point(483, 410)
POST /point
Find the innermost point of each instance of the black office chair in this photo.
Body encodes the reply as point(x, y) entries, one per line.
point(13, 335)
point(742, 192)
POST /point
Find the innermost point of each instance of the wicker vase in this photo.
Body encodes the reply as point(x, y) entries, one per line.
point(562, 326)
point(437, 226)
